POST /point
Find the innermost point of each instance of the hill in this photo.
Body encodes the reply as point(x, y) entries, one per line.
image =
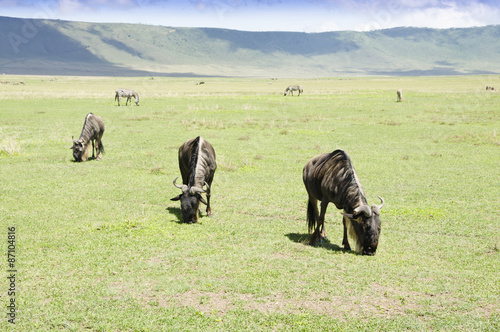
point(55, 47)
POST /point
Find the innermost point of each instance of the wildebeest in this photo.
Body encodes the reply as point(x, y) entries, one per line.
point(197, 165)
point(400, 95)
point(329, 178)
point(490, 88)
point(121, 93)
point(93, 129)
point(291, 88)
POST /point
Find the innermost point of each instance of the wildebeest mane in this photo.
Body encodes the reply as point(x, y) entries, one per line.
point(194, 160)
point(346, 185)
point(85, 130)
point(89, 131)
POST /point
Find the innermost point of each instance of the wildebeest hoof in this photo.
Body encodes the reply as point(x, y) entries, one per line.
point(315, 242)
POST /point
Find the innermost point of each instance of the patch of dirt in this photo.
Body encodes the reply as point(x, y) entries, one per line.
point(383, 301)
point(336, 306)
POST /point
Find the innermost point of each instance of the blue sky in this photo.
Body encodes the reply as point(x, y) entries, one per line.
point(266, 15)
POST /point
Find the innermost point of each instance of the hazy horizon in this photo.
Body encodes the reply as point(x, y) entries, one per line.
point(292, 15)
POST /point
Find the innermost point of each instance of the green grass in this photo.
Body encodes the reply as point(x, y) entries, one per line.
point(100, 246)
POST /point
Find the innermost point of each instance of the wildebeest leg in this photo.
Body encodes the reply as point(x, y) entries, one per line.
point(320, 231)
point(93, 156)
point(345, 241)
point(321, 220)
point(98, 148)
point(209, 210)
point(209, 188)
point(312, 216)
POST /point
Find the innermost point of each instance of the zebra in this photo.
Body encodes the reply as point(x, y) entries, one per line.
point(126, 93)
point(292, 88)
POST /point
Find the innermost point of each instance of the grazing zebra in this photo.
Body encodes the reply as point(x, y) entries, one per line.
point(126, 93)
point(293, 88)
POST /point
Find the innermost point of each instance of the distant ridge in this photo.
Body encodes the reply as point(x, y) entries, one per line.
point(54, 47)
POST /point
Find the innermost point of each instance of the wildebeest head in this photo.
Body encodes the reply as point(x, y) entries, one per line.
point(78, 150)
point(366, 226)
point(190, 201)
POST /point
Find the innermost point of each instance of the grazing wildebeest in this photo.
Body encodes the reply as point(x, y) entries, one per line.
point(400, 95)
point(197, 165)
point(92, 130)
point(121, 93)
point(331, 177)
point(291, 88)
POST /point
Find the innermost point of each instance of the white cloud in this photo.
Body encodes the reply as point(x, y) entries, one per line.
point(431, 13)
point(259, 15)
point(474, 14)
point(70, 6)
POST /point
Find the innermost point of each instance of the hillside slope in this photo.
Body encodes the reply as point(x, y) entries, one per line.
point(79, 48)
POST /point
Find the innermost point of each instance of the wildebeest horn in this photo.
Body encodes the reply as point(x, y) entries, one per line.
point(383, 202)
point(177, 185)
point(195, 190)
point(364, 209)
point(376, 208)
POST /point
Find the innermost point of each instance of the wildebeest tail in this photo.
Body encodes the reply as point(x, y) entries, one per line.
point(311, 219)
point(101, 147)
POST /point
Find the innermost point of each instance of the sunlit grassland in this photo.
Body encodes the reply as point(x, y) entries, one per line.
point(101, 246)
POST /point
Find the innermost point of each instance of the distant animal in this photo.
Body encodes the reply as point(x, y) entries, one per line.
point(329, 178)
point(291, 88)
point(92, 131)
point(122, 93)
point(490, 88)
point(200, 83)
point(197, 165)
point(400, 95)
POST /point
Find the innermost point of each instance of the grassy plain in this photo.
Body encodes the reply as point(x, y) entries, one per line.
point(100, 247)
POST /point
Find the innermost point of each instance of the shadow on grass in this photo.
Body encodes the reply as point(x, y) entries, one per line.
point(177, 212)
point(325, 243)
point(88, 159)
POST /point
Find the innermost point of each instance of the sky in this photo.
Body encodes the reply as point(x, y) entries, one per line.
point(267, 15)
